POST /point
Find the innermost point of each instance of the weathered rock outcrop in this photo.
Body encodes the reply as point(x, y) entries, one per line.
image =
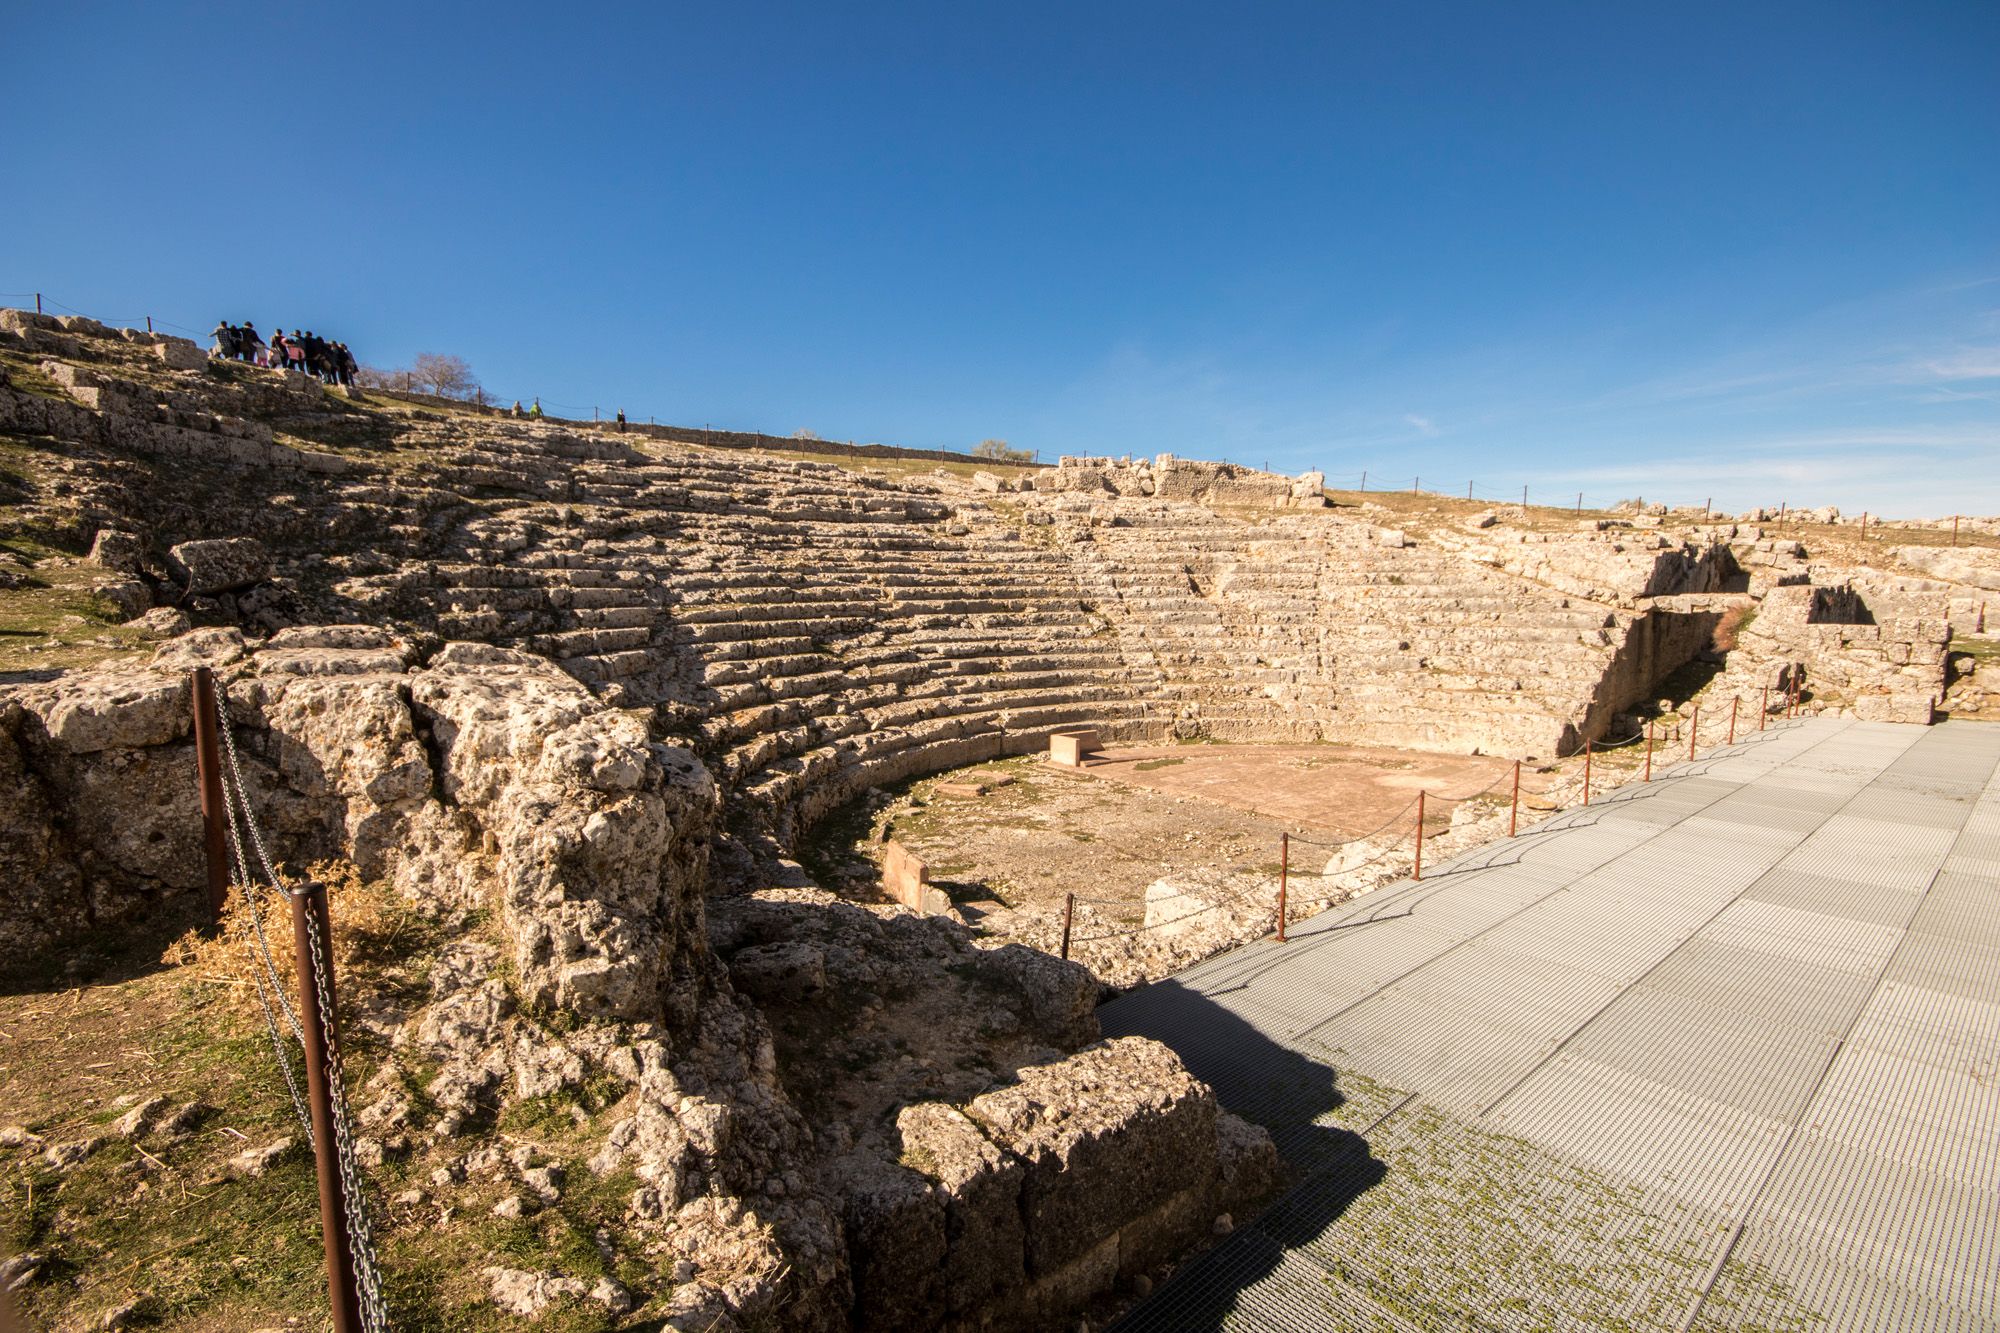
point(481, 778)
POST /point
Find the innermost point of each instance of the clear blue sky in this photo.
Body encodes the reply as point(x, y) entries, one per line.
point(1750, 252)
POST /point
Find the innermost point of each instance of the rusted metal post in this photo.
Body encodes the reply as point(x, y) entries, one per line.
point(308, 918)
point(1864, 525)
point(1954, 517)
point(1694, 729)
point(208, 772)
point(1418, 873)
point(1069, 915)
point(1734, 702)
point(1514, 815)
point(38, 303)
point(1649, 752)
point(149, 323)
point(1284, 870)
point(1586, 772)
point(1980, 626)
point(1764, 708)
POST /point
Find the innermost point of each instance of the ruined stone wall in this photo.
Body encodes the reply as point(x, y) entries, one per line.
point(1881, 660)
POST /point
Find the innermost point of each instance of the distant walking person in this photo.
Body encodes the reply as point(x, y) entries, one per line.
point(225, 341)
point(280, 353)
point(535, 412)
point(250, 344)
point(621, 419)
point(295, 352)
point(515, 410)
point(347, 364)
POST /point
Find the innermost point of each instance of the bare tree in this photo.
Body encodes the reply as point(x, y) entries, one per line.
point(446, 376)
point(998, 451)
point(375, 377)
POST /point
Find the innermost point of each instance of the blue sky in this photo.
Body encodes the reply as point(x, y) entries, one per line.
point(1747, 252)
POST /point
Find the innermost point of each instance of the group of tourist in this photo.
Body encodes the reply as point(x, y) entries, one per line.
point(308, 354)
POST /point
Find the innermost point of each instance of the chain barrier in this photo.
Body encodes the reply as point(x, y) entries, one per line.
point(360, 1233)
point(263, 967)
point(1387, 852)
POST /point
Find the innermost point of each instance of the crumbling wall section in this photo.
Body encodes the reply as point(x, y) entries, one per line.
point(1880, 659)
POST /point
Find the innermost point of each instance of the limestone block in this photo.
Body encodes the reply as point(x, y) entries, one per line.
point(87, 711)
point(985, 1240)
point(116, 550)
point(211, 647)
point(904, 876)
point(897, 1253)
point(180, 353)
point(1058, 998)
point(221, 564)
point(1247, 1162)
point(1071, 745)
point(129, 596)
point(1106, 1135)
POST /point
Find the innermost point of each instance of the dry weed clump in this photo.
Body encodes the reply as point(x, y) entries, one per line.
point(368, 923)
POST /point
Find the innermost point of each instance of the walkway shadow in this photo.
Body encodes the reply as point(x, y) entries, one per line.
point(1289, 1095)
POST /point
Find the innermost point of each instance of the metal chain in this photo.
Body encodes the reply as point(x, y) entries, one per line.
point(360, 1236)
point(263, 971)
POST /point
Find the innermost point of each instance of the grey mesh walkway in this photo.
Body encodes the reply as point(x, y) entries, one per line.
point(1719, 1052)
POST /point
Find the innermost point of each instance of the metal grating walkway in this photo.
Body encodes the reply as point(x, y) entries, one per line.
point(1718, 1052)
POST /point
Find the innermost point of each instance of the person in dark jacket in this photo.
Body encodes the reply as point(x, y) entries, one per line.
point(280, 352)
point(225, 341)
point(347, 365)
point(621, 419)
point(250, 344)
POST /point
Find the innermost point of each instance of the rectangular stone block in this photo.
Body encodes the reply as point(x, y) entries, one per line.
point(1072, 744)
point(904, 876)
point(981, 1187)
point(1107, 1135)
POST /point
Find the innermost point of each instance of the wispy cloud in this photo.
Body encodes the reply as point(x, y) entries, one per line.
point(1423, 425)
point(1970, 363)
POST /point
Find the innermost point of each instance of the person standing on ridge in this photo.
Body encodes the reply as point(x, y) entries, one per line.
point(250, 344)
point(280, 354)
point(535, 412)
point(225, 341)
point(621, 420)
